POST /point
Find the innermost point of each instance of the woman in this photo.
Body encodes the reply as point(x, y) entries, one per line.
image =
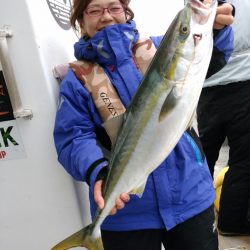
point(176, 206)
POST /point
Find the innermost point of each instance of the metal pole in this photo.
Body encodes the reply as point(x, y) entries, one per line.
point(18, 110)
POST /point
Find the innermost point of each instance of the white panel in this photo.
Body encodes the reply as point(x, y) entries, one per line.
point(39, 202)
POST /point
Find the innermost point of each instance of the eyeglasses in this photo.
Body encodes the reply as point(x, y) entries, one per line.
point(98, 11)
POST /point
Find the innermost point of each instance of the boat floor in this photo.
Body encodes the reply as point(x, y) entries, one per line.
point(234, 243)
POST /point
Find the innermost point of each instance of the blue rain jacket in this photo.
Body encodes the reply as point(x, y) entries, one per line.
point(180, 188)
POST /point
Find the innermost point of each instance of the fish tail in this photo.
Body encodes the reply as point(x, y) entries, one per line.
point(82, 238)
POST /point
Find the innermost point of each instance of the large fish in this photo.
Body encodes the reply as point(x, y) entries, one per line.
point(160, 112)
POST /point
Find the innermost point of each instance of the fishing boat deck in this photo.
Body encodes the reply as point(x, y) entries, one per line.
point(234, 243)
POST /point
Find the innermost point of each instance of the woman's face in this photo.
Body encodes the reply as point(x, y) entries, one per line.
point(101, 13)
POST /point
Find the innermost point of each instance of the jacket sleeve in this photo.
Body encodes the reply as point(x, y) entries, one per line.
point(223, 48)
point(74, 132)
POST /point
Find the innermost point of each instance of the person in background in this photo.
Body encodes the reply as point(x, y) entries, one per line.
point(176, 208)
point(224, 112)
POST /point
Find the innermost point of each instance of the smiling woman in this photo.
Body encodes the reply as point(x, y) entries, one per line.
point(173, 184)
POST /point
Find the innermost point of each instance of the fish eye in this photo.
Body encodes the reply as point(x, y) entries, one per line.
point(184, 29)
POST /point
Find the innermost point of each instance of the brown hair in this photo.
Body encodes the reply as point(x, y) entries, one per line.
point(79, 6)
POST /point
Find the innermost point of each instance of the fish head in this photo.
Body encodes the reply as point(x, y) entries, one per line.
point(200, 15)
point(193, 43)
point(187, 47)
point(202, 18)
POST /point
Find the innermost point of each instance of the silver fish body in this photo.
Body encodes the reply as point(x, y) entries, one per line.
point(159, 113)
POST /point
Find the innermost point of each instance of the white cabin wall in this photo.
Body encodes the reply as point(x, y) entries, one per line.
point(39, 202)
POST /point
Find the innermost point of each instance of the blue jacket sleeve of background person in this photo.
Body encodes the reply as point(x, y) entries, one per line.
point(223, 48)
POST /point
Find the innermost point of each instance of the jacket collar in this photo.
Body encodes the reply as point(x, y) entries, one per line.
point(110, 46)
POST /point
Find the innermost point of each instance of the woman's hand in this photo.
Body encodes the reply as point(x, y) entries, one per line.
point(119, 203)
point(223, 16)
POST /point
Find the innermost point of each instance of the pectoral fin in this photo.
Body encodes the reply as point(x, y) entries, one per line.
point(169, 103)
point(139, 190)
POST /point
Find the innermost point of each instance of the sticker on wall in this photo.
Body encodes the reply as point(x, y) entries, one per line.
point(60, 9)
point(6, 111)
point(11, 145)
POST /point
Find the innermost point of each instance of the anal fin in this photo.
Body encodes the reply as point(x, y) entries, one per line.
point(139, 190)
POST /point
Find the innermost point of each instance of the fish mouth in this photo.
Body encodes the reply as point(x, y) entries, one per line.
point(202, 9)
point(202, 5)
